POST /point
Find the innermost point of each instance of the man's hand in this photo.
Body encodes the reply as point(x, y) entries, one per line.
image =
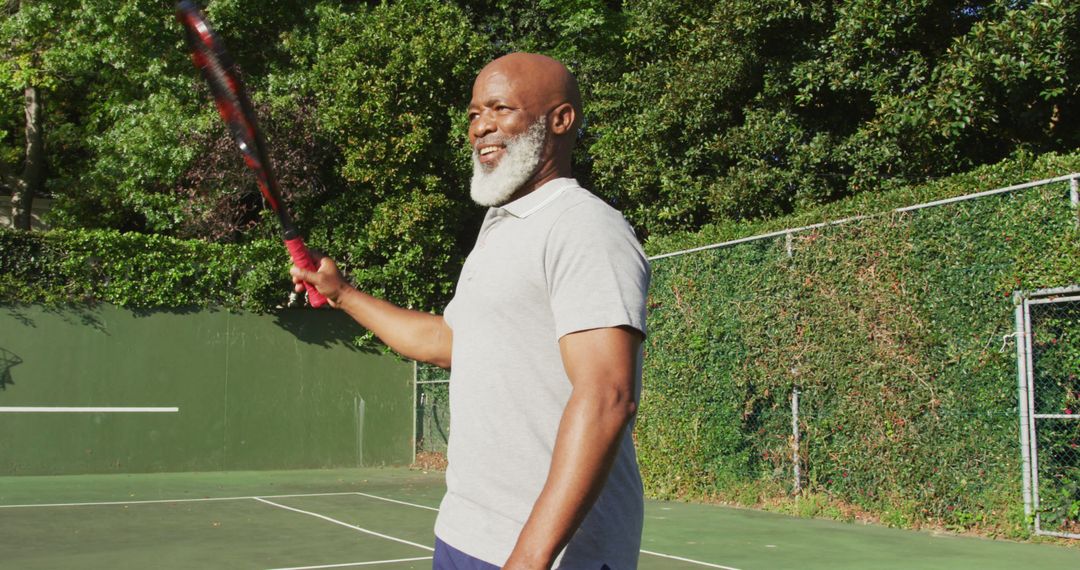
point(602, 366)
point(328, 281)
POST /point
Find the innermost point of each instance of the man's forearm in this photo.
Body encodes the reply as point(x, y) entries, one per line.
point(412, 334)
point(588, 440)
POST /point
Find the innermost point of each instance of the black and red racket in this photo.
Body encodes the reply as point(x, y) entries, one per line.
point(209, 55)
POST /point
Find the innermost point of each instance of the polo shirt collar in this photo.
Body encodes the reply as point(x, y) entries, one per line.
point(536, 200)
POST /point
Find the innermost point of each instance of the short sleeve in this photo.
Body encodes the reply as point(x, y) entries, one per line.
point(597, 274)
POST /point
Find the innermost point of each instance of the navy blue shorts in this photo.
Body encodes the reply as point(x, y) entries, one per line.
point(449, 558)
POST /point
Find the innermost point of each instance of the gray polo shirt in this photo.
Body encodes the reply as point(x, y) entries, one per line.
point(556, 261)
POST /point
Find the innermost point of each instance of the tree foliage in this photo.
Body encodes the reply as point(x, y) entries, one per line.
point(697, 114)
point(389, 84)
point(752, 109)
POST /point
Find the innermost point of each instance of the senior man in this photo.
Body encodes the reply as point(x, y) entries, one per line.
point(543, 338)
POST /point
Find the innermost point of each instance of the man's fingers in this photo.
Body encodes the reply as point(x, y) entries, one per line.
point(299, 275)
point(326, 264)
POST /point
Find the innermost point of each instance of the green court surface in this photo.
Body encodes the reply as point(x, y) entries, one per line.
point(382, 518)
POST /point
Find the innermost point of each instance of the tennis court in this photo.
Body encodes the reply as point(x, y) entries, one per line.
point(383, 517)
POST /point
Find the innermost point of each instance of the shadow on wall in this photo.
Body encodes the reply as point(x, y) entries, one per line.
point(326, 328)
point(322, 327)
point(76, 314)
point(20, 316)
point(8, 360)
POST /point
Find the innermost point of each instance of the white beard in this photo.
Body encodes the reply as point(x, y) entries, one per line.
point(493, 186)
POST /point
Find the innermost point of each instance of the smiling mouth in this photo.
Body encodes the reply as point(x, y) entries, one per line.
point(489, 155)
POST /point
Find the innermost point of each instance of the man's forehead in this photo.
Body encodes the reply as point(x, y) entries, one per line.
point(520, 75)
point(500, 84)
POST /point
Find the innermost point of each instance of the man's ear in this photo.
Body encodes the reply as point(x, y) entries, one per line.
point(562, 119)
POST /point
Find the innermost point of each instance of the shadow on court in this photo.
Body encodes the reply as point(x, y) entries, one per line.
point(383, 517)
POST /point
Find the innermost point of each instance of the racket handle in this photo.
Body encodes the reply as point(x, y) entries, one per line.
point(302, 258)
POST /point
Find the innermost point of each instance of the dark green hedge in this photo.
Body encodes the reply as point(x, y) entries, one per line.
point(895, 329)
point(141, 271)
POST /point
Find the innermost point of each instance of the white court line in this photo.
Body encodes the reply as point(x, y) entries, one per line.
point(347, 525)
point(397, 501)
point(348, 564)
point(152, 501)
point(263, 497)
point(709, 564)
point(85, 409)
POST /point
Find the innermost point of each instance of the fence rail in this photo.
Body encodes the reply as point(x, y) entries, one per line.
point(1074, 198)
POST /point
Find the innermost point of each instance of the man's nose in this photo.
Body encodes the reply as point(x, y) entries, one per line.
point(482, 125)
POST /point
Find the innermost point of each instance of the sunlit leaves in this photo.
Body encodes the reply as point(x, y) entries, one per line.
point(748, 110)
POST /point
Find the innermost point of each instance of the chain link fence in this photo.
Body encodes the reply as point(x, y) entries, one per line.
point(1049, 362)
point(432, 410)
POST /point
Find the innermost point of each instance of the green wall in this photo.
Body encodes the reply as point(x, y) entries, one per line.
point(279, 391)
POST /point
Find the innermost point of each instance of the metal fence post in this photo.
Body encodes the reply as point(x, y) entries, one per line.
point(415, 408)
point(796, 474)
point(1074, 196)
point(1022, 387)
point(795, 440)
point(1033, 442)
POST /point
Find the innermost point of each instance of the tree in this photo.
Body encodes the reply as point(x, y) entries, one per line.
point(157, 158)
point(941, 87)
point(390, 84)
point(88, 60)
point(362, 106)
point(26, 38)
point(754, 109)
point(664, 134)
point(696, 113)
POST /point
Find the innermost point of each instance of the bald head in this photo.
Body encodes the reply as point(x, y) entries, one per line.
point(541, 80)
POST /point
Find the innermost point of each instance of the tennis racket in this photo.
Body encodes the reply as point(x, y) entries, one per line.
point(209, 55)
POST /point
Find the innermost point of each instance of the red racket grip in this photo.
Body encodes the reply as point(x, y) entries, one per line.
point(302, 258)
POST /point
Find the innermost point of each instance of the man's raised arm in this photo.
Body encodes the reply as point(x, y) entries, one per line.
point(412, 334)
